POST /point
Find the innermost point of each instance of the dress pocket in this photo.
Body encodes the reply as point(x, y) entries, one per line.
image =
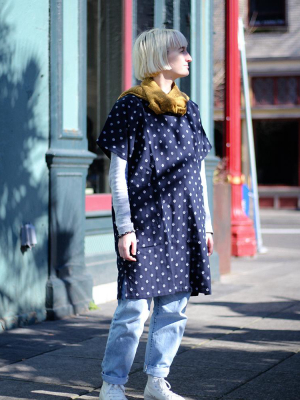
point(150, 236)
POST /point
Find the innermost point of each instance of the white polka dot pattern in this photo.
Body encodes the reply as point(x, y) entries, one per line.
point(164, 154)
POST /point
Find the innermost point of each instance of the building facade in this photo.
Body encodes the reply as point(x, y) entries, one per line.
point(273, 59)
point(60, 74)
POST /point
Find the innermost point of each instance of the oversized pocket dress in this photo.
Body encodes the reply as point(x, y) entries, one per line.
point(164, 154)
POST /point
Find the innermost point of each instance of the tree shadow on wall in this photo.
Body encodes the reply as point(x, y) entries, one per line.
point(23, 181)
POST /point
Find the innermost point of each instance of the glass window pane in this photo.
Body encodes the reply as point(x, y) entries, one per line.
point(104, 80)
point(185, 28)
point(145, 15)
point(169, 4)
point(287, 90)
point(263, 90)
point(267, 13)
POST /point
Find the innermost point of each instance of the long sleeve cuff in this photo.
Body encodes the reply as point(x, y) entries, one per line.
point(208, 221)
point(118, 184)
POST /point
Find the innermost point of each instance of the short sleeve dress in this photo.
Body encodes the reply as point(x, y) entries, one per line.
point(164, 154)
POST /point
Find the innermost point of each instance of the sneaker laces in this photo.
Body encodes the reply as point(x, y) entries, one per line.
point(116, 392)
point(163, 386)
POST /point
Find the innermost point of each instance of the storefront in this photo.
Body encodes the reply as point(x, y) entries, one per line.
point(77, 62)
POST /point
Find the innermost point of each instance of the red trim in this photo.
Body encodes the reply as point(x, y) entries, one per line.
point(298, 152)
point(103, 202)
point(98, 202)
point(242, 233)
point(127, 44)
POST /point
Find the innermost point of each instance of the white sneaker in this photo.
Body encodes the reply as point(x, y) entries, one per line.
point(112, 392)
point(159, 389)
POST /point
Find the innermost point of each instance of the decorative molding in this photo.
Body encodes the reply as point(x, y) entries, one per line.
point(70, 158)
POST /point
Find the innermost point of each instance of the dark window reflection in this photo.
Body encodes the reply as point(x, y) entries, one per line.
point(104, 80)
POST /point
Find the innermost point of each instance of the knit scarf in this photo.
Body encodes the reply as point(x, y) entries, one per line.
point(174, 102)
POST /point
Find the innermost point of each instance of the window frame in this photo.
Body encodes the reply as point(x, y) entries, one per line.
point(276, 102)
point(259, 28)
point(101, 202)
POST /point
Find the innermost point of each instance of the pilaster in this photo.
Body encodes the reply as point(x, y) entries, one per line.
point(69, 286)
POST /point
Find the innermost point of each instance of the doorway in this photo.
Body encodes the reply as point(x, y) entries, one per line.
point(277, 152)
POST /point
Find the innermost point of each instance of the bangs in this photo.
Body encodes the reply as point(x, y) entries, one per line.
point(175, 39)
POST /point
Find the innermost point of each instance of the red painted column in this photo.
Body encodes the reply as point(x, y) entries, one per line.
point(242, 231)
point(299, 152)
point(127, 44)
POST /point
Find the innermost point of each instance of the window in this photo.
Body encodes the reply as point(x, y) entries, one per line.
point(175, 15)
point(185, 28)
point(104, 70)
point(266, 13)
point(145, 16)
point(277, 144)
point(104, 80)
point(269, 91)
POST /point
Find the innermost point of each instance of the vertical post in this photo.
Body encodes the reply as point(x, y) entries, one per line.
point(202, 91)
point(242, 231)
point(176, 15)
point(127, 44)
point(159, 13)
point(250, 141)
point(299, 152)
point(176, 23)
point(69, 286)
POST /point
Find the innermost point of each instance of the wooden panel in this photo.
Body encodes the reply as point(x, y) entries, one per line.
point(288, 202)
point(266, 202)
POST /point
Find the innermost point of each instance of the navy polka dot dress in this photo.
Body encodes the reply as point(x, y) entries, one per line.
point(164, 154)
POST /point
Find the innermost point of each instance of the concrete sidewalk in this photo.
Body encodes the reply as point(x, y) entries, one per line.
point(242, 342)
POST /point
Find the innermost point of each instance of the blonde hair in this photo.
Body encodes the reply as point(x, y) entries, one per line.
point(150, 51)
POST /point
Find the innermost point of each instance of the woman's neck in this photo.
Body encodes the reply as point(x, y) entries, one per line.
point(165, 83)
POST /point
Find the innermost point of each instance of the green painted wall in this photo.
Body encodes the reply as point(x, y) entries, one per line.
point(24, 135)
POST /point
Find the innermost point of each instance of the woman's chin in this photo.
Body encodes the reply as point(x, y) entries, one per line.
point(185, 74)
point(182, 75)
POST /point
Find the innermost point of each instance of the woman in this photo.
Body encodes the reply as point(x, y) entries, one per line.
point(161, 219)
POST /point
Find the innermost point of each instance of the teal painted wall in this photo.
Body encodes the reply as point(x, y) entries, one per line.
point(70, 65)
point(24, 136)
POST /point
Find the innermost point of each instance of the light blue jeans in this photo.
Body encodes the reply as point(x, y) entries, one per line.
point(166, 329)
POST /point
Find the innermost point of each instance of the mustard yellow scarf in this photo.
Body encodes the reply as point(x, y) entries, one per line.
point(174, 102)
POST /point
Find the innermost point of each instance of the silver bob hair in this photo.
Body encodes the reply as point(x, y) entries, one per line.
point(150, 51)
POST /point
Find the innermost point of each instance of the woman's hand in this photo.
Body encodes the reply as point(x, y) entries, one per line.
point(127, 245)
point(209, 243)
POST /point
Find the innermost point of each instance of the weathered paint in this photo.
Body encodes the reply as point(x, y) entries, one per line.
point(24, 127)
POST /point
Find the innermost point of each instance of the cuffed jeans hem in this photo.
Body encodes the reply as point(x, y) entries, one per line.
point(155, 371)
point(114, 380)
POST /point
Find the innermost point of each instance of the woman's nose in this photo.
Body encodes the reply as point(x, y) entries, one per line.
point(188, 57)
